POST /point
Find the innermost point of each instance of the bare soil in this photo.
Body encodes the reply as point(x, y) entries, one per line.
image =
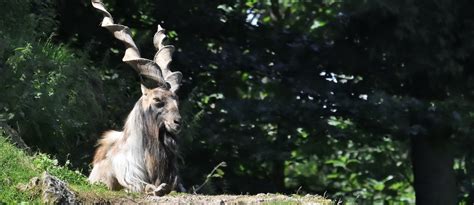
point(236, 199)
point(196, 199)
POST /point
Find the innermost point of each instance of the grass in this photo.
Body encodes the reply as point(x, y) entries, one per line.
point(17, 167)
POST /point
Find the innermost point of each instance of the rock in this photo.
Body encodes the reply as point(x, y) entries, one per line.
point(53, 190)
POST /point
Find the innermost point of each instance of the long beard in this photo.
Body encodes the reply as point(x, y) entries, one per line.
point(161, 151)
point(167, 157)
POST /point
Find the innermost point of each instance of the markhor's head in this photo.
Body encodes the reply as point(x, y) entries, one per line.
point(163, 103)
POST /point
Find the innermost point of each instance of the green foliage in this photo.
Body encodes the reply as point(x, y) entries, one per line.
point(364, 173)
point(65, 173)
point(49, 92)
point(17, 20)
point(47, 89)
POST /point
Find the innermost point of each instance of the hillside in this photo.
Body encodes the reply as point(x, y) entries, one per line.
point(20, 175)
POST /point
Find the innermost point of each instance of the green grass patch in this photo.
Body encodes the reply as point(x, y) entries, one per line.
point(17, 167)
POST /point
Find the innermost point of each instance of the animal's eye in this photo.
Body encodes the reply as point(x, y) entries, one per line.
point(158, 102)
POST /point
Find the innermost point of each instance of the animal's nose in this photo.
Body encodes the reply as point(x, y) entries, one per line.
point(177, 119)
point(177, 124)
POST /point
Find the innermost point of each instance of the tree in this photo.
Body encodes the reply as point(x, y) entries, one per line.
point(307, 96)
point(414, 59)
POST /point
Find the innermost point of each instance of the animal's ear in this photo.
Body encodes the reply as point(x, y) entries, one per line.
point(174, 79)
point(145, 90)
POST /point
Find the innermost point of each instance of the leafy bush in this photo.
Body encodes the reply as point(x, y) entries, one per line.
point(65, 173)
point(50, 93)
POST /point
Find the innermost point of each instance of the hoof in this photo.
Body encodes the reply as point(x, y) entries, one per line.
point(161, 190)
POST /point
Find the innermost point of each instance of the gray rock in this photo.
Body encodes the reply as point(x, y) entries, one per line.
point(53, 190)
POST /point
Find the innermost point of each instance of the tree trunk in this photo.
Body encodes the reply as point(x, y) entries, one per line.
point(470, 173)
point(433, 160)
point(14, 137)
point(278, 177)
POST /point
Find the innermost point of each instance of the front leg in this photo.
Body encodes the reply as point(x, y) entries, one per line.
point(161, 190)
